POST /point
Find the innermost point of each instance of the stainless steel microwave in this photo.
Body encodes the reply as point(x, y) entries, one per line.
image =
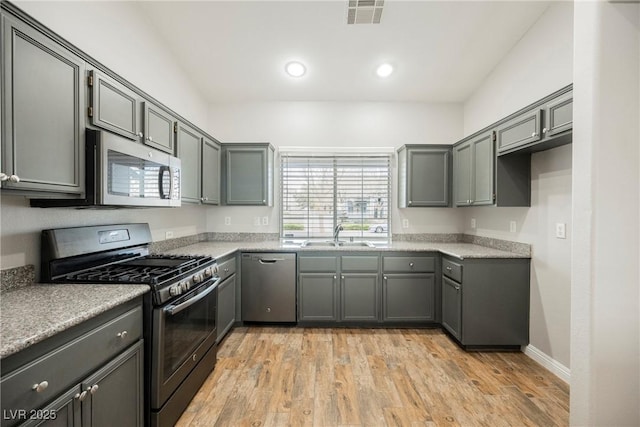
point(122, 173)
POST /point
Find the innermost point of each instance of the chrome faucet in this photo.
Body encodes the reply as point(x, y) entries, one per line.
point(336, 232)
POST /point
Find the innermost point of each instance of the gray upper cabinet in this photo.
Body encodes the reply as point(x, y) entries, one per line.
point(113, 106)
point(189, 143)
point(474, 171)
point(424, 175)
point(158, 128)
point(559, 115)
point(248, 174)
point(43, 105)
point(210, 172)
point(520, 131)
point(546, 124)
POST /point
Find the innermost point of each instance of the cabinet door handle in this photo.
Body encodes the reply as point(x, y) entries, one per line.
point(93, 389)
point(140, 134)
point(335, 277)
point(534, 134)
point(544, 130)
point(3, 176)
point(385, 277)
point(457, 288)
point(448, 268)
point(40, 387)
point(122, 334)
point(14, 178)
point(80, 396)
point(411, 265)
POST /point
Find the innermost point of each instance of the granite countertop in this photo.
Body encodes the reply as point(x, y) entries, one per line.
point(458, 250)
point(33, 313)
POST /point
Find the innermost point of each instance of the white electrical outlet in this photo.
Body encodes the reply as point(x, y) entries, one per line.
point(561, 230)
point(265, 220)
point(227, 220)
point(168, 234)
point(512, 226)
point(405, 223)
point(256, 221)
point(473, 223)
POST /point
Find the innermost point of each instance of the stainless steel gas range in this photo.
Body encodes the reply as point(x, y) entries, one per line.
point(180, 315)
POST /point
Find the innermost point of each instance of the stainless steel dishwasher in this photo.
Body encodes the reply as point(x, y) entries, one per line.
point(268, 287)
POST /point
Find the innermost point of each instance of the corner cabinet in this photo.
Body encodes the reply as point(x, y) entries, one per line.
point(89, 375)
point(424, 176)
point(43, 112)
point(474, 171)
point(485, 302)
point(248, 170)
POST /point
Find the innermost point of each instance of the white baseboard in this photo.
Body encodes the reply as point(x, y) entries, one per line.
point(552, 365)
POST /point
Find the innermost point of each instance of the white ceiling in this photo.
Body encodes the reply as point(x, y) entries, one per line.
point(235, 51)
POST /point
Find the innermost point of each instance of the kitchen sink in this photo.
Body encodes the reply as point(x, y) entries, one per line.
point(334, 244)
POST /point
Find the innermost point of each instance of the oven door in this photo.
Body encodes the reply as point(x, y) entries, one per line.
point(183, 331)
point(134, 175)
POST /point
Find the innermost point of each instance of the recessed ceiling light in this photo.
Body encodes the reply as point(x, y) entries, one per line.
point(384, 70)
point(295, 69)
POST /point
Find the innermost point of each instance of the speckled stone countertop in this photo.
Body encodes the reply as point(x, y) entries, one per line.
point(458, 250)
point(33, 313)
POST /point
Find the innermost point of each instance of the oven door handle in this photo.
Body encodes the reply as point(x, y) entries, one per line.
point(175, 309)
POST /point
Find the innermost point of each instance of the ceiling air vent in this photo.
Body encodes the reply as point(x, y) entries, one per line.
point(364, 11)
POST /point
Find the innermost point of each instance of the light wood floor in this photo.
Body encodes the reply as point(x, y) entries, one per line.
point(270, 376)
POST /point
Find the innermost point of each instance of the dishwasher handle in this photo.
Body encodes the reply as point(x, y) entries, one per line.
point(269, 260)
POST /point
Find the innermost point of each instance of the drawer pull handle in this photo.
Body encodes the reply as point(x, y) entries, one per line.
point(122, 334)
point(40, 387)
point(411, 264)
point(81, 396)
point(448, 268)
point(335, 277)
point(93, 389)
point(386, 278)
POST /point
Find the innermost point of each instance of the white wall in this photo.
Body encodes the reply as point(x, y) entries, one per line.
point(541, 63)
point(605, 359)
point(337, 124)
point(115, 34)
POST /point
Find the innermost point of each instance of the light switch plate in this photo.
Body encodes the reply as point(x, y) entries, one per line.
point(265, 220)
point(405, 223)
point(168, 234)
point(561, 230)
point(512, 226)
point(227, 220)
point(473, 223)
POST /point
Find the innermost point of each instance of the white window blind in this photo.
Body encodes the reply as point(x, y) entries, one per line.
point(320, 192)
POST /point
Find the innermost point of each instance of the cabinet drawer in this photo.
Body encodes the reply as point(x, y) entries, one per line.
point(452, 270)
point(409, 264)
point(70, 362)
point(227, 268)
point(360, 263)
point(318, 264)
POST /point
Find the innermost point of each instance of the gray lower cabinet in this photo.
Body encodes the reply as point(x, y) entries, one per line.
point(227, 297)
point(90, 375)
point(424, 176)
point(248, 174)
point(409, 287)
point(210, 172)
point(318, 297)
point(43, 112)
point(485, 302)
point(114, 107)
point(359, 297)
point(409, 297)
point(451, 306)
point(159, 126)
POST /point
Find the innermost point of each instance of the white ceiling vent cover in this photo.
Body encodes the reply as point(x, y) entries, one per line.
point(364, 11)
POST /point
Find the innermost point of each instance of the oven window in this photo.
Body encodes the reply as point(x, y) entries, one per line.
point(184, 331)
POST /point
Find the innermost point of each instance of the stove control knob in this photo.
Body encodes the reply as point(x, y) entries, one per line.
point(208, 272)
point(184, 286)
point(197, 278)
point(175, 290)
point(215, 269)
